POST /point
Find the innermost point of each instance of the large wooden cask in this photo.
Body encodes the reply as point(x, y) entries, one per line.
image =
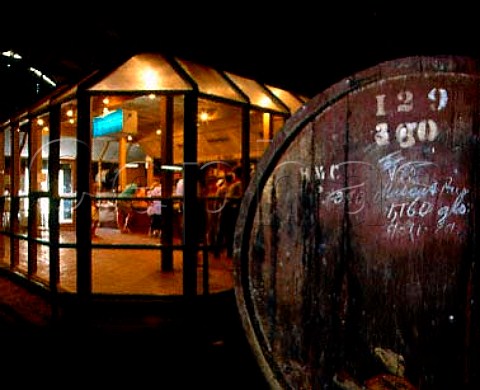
point(358, 233)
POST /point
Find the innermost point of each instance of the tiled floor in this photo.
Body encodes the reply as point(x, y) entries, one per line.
point(174, 354)
point(127, 271)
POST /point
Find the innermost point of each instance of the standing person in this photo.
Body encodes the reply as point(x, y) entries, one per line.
point(232, 206)
point(95, 218)
point(95, 211)
point(221, 219)
point(178, 209)
point(124, 207)
point(6, 208)
point(154, 210)
point(179, 187)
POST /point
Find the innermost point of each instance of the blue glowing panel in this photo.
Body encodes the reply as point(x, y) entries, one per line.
point(108, 124)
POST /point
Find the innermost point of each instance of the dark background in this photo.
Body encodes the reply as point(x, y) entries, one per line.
point(301, 46)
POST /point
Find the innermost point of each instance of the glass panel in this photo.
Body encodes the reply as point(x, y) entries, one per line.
point(126, 141)
point(177, 158)
point(210, 81)
point(291, 101)
point(4, 203)
point(24, 182)
point(219, 131)
point(39, 166)
point(178, 104)
point(219, 150)
point(144, 72)
point(278, 122)
point(257, 94)
point(261, 133)
point(67, 168)
point(35, 181)
point(14, 182)
point(126, 159)
point(263, 127)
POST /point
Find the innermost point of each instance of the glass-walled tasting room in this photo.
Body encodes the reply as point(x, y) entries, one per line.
point(81, 172)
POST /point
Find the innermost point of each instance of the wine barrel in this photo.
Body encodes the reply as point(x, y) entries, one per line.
point(357, 233)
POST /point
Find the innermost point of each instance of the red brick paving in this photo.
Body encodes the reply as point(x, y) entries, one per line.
point(126, 271)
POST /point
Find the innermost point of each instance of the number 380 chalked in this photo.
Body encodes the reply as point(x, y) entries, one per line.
point(356, 243)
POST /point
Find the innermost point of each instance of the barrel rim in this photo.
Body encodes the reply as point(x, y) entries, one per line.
point(300, 120)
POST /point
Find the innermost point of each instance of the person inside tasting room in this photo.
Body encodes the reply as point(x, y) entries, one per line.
point(220, 220)
point(124, 207)
point(232, 207)
point(95, 219)
point(154, 210)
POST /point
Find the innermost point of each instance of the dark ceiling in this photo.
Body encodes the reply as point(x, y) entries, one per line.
point(302, 47)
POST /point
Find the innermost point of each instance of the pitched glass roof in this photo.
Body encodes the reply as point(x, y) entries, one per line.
point(293, 102)
point(257, 94)
point(154, 72)
point(144, 72)
point(211, 82)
